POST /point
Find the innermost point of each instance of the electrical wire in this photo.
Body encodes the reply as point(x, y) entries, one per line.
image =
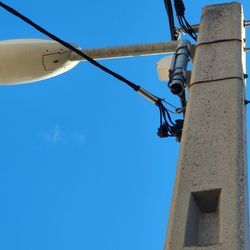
point(167, 127)
point(168, 124)
point(191, 32)
point(69, 46)
point(168, 103)
point(180, 12)
point(173, 31)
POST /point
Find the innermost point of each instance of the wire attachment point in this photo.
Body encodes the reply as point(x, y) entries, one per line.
point(176, 130)
point(246, 102)
point(168, 128)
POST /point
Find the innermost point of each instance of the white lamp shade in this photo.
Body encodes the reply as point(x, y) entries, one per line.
point(163, 67)
point(30, 60)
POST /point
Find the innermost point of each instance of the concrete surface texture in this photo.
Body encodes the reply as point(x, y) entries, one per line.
point(209, 208)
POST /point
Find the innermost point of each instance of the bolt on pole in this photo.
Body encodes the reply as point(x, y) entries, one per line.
point(209, 207)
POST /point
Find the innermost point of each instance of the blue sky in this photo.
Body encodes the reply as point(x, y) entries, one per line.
point(81, 166)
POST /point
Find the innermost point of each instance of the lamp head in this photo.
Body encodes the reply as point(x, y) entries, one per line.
point(31, 60)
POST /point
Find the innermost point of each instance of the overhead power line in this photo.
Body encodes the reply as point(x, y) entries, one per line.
point(173, 31)
point(167, 128)
point(69, 46)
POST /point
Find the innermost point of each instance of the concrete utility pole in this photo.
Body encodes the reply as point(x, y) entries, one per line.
point(209, 208)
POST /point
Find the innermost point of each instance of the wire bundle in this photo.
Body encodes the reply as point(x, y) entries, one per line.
point(167, 127)
point(180, 12)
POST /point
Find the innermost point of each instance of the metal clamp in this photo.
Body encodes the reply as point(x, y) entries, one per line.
point(246, 23)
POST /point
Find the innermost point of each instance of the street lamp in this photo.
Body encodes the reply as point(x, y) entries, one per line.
point(31, 60)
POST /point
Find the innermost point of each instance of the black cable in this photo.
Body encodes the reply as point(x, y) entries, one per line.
point(169, 130)
point(168, 103)
point(186, 27)
point(173, 31)
point(161, 121)
point(165, 112)
point(179, 7)
point(182, 24)
point(180, 12)
point(69, 46)
point(190, 29)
